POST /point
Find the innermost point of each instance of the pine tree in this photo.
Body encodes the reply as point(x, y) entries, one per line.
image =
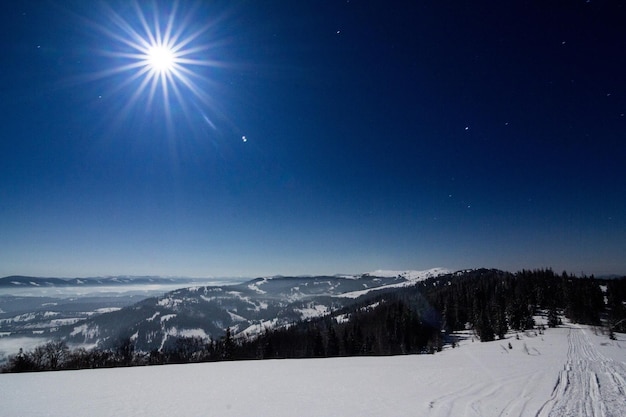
point(553, 317)
point(332, 347)
point(228, 344)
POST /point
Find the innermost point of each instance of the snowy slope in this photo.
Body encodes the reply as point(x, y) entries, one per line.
point(591, 383)
point(408, 278)
point(476, 379)
point(246, 308)
point(410, 275)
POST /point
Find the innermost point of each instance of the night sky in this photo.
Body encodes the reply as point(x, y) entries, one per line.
point(312, 137)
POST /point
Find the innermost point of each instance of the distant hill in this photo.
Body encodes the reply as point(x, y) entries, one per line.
point(19, 281)
point(247, 308)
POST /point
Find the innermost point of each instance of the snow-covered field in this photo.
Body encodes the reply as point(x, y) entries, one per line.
point(569, 371)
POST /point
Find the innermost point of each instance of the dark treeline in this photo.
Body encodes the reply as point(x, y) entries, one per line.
point(492, 302)
point(386, 325)
point(417, 319)
point(56, 355)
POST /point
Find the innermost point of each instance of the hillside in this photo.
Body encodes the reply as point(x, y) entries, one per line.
point(247, 309)
point(305, 317)
point(19, 281)
point(475, 379)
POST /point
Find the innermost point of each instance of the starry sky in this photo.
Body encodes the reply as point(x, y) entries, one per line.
point(312, 137)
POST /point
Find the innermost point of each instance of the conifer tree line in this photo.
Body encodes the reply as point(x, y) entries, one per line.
point(417, 319)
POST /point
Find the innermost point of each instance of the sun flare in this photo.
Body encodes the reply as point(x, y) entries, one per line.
point(161, 59)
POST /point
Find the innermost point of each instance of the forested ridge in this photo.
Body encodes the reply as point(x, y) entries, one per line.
point(416, 319)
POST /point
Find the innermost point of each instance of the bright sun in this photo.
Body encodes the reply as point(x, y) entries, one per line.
point(161, 59)
point(160, 53)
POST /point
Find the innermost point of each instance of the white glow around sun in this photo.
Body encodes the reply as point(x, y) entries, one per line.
point(161, 59)
point(160, 53)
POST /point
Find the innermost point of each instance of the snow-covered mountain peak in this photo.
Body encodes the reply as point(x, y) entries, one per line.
point(410, 275)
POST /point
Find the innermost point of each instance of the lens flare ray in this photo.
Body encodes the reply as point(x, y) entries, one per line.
point(164, 57)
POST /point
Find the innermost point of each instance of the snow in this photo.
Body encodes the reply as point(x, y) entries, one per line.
point(167, 317)
point(190, 333)
point(19, 318)
point(154, 316)
point(475, 379)
point(235, 317)
point(258, 328)
point(591, 383)
point(87, 331)
point(312, 311)
point(412, 277)
point(342, 318)
point(371, 306)
point(169, 302)
point(348, 276)
point(107, 309)
point(255, 286)
point(63, 322)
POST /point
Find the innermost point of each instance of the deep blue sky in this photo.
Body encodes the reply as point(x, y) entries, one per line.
point(395, 135)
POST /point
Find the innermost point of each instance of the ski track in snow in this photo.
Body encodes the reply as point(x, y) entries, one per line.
point(589, 385)
point(478, 399)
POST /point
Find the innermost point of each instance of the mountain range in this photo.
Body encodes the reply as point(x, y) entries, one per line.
point(19, 281)
point(246, 309)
